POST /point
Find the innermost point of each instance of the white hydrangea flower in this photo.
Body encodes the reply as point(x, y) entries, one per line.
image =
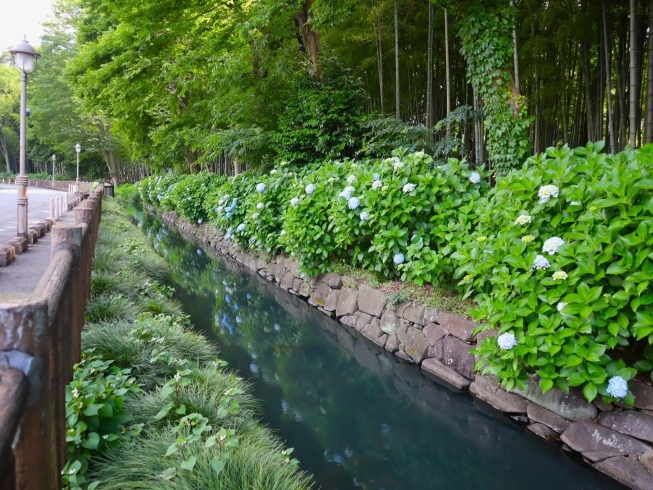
point(507, 341)
point(255, 216)
point(523, 219)
point(398, 165)
point(241, 227)
point(575, 203)
point(419, 154)
point(475, 178)
point(353, 203)
point(283, 232)
point(199, 221)
point(561, 306)
point(294, 201)
point(560, 276)
point(351, 179)
point(310, 189)
point(409, 188)
point(365, 216)
point(540, 262)
point(552, 245)
point(347, 192)
point(260, 206)
point(260, 187)
point(377, 184)
point(617, 387)
point(546, 192)
point(220, 209)
point(273, 171)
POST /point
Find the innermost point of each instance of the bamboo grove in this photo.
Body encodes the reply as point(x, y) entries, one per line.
point(236, 84)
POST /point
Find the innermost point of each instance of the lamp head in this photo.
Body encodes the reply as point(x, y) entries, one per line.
point(78, 148)
point(54, 158)
point(24, 56)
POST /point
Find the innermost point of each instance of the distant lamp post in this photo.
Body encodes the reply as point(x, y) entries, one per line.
point(78, 149)
point(24, 59)
point(54, 162)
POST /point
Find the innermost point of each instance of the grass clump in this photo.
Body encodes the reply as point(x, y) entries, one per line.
point(166, 412)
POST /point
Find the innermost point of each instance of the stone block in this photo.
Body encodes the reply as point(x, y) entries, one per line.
point(370, 300)
point(363, 321)
point(457, 326)
point(294, 269)
point(548, 418)
point(414, 313)
point(305, 289)
point(627, 471)
point(261, 265)
point(334, 281)
point(435, 369)
point(543, 431)
point(454, 353)
point(320, 296)
point(392, 344)
point(297, 285)
point(568, 405)
point(404, 357)
point(287, 281)
point(349, 282)
point(32, 236)
point(7, 255)
point(597, 443)
point(646, 460)
point(433, 333)
point(19, 243)
point(389, 322)
point(631, 423)
point(490, 392)
point(414, 344)
point(430, 315)
point(347, 302)
point(332, 301)
point(643, 394)
point(349, 320)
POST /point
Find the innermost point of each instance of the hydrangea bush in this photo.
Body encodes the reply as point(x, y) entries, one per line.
point(565, 269)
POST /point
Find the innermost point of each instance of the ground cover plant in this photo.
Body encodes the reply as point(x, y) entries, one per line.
point(151, 405)
point(557, 256)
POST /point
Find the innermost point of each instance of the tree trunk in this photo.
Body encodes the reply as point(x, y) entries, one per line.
point(429, 72)
point(310, 38)
point(516, 53)
point(379, 57)
point(587, 75)
point(4, 150)
point(448, 67)
point(397, 92)
point(648, 137)
point(608, 70)
point(633, 94)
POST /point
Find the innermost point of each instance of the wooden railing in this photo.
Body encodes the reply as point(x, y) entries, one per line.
point(40, 341)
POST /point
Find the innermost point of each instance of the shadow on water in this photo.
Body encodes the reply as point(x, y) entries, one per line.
point(356, 417)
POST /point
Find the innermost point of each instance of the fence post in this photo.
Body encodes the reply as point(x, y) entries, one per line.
point(25, 340)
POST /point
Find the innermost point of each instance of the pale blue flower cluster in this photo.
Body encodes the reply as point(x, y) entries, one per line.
point(398, 259)
point(310, 189)
point(231, 209)
point(241, 228)
point(617, 387)
point(376, 177)
point(229, 234)
point(377, 184)
point(507, 341)
point(552, 245)
point(540, 262)
point(409, 188)
point(353, 203)
point(260, 206)
point(294, 201)
point(199, 221)
point(347, 192)
point(365, 216)
point(261, 187)
point(475, 178)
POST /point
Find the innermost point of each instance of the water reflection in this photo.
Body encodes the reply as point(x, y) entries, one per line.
point(357, 418)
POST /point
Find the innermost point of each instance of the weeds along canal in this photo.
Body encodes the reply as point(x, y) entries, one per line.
point(357, 418)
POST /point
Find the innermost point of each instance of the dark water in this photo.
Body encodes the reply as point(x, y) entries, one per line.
point(356, 418)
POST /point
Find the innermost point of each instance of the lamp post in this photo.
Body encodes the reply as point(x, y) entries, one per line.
point(54, 161)
point(78, 149)
point(24, 58)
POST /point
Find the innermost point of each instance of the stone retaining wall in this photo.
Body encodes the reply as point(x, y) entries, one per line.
point(616, 439)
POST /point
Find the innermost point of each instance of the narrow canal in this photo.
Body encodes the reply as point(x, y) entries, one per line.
point(356, 418)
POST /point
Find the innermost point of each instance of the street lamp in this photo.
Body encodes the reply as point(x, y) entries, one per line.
point(78, 149)
point(24, 58)
point(54, 161)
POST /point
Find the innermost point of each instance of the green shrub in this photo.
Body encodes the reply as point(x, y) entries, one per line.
point(590, 301)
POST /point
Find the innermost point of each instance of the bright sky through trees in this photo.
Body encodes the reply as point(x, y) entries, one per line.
point(22, 18)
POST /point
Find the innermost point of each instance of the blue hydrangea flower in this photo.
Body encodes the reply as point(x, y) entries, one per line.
point(261, 187)
point(199, 221)
point(365, 216)
point(617, 387)
point(310, 189)
point(376, 177)
point(260, 206)
point(241, 227)
point(294, 201)
point(475, 178)
point(353, 202)
point(507, 341)
point(398, 259)
point(347, 192)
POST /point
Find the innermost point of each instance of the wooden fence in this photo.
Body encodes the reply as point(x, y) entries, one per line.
point(40, 341)
point(57, 185)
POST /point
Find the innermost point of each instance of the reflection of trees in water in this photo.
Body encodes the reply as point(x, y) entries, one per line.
point(386, 424)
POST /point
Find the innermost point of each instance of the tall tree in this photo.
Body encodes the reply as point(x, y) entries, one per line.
point(9, 99)
point(608, 74)
point(429, 71)
point(648, 138)
point(633, 94)
point(397, 85)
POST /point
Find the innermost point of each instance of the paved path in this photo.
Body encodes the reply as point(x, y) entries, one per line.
point(24, 273)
